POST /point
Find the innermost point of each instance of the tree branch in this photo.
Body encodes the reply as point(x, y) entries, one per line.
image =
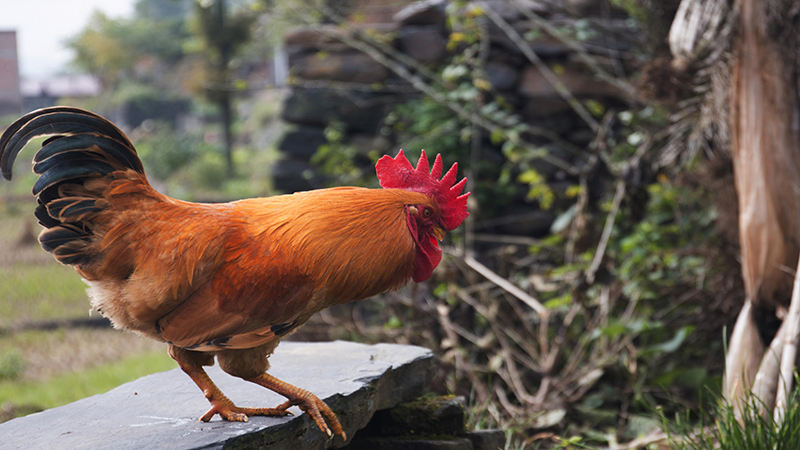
point(598, 71)
point(541, 66)
point(509, 287)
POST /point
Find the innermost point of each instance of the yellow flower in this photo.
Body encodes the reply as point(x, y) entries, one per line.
point(481, 84)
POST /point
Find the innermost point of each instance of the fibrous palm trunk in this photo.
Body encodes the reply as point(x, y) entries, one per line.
point(763, 120)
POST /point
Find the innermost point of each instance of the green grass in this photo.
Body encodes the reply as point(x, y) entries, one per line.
point(72, 386)
point(720, 429)
point(44, 369)
point(41, 292)
point(33, 286)
point(23, 178)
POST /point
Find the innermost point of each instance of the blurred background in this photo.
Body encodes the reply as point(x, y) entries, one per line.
point(592, 283)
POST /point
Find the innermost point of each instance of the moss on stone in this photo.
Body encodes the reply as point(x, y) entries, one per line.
point(441, 417)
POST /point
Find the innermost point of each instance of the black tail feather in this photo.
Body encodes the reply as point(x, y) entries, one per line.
point(57, 236)
point(74, 157)
point(72, 209)
point(44, 218)
point(88, 143)
point(82, 146)
point(62, 121)
point(71, 170)
point(72, 255)
point(51, 193)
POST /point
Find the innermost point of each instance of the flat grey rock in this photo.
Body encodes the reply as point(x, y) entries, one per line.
point(161, 411)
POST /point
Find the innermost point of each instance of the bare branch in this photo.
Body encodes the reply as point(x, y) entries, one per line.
point(598, 71)
point(506, 239)
point(543, 313)
point(348, 86)
point(387, 49)
point(541, 66)
point(609, 226)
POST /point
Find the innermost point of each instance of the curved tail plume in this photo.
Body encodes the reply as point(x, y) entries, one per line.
point(83, 147)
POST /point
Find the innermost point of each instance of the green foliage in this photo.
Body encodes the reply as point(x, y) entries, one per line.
point(582, 30)
point(636, 10)
point(652, 254)
point(207, 170)
point(99, 51)
point(11, 365)
point(539, 189)
point(339, 160)
point(189, 168)
point(429, 125)
point(655, 256)
point(161, 10)
point(161, 38)
point(142, 101)
point(218, 37)
point(110, 48)
point(163, 151)
point(426, 124)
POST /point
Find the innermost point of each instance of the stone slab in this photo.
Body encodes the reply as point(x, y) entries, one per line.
point(487, 439)
point(440, 416)
point(411, 444)
point(359, 110)
point(161, 411)
point(351, 67)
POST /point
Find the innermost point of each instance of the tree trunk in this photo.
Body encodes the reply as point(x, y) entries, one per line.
point(224, 93)
point(764, 134)
point(743, 57)
point(766, 158)
point(227, 135)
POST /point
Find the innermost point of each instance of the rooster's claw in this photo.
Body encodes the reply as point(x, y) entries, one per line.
point(316, 409)
point(228, 411)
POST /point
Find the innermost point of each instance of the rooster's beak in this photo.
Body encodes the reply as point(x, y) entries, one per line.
point(438, 232)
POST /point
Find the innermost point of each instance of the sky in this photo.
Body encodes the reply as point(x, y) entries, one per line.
point(43, 26)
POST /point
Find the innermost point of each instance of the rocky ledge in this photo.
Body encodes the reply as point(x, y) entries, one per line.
point(162, 410)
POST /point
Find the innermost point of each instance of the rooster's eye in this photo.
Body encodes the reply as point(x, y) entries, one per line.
point(426, 212)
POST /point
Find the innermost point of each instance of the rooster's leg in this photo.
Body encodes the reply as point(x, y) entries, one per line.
point(222, 405)
point(308, 402)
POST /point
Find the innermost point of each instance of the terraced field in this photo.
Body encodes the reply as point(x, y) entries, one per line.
point(53, 348)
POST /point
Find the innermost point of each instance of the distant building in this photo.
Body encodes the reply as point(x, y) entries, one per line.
point(10, 98)
point(43, 93)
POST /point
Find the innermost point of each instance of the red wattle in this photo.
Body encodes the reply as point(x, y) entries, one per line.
point(428, 254)
point(426, 259)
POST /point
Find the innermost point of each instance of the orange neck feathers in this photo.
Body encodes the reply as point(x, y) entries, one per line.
point(353, 242)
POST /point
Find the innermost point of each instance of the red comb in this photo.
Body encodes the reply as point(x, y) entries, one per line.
point(397, 173)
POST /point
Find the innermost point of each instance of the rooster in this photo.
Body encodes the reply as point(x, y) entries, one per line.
point(226, 280)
